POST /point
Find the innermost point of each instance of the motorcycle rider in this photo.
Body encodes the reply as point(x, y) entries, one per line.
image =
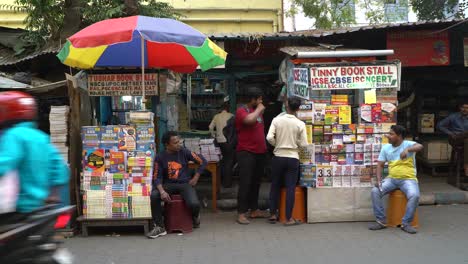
point(40, 169)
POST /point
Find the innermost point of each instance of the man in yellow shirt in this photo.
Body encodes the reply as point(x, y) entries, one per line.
point(401, 158)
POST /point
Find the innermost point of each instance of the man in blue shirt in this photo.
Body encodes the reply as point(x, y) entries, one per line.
point(171, 176)
point(27, 150)
point(401, 158)
point(456, 124)
point(456, 127)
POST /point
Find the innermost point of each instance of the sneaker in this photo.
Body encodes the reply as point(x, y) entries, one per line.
point(409, 229)
point(377, 226)
point(196, 221)
point(157, 232)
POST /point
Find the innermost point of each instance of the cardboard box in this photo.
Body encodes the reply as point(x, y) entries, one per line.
point(437, 150)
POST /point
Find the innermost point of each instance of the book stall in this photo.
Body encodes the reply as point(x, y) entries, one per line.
point(118, 159)
point(348, 108)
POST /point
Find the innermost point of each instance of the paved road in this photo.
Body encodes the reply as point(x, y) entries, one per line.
point(443, 238)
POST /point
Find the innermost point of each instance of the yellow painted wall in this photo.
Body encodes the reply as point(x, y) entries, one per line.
point(208, 16)
point(9, 18)
point(223, 16)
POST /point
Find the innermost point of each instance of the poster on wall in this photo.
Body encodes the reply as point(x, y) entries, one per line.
point(354, 77)
point(300, 85)
point(419, 48)
point(123, 84)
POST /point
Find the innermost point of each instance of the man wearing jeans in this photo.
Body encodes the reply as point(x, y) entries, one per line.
point(401, 158)
point(171, 176)
point(251, 149)
point(287, 133)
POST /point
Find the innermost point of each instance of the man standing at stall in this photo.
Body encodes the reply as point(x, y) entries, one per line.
point(401, 158)
point(251, 149)
point(287, 133)
point(227, 150)
point(456, 127)
point(171, 176)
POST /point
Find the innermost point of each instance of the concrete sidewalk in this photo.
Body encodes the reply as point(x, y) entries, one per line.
point(442, 239)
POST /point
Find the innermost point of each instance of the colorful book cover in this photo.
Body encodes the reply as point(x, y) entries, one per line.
point(345, 114)
point(350, 158)
point(389, 113)
point(320, 97)
point(333, 159)
point(337, 129)
point(94, 160)
point(337, 170)
point(327, 139)
point(91, 136)
point(369, 128)
point(368, 148)
point(306, 111)
point(331, 115)
point(349, 139)
point(337, 149)
point(117, 162)
point(339, 99)
point(319, 114)
point(324, 176)
point(347, 170)
point(307, 154)
point(376, 113)
point(342, 159)
point(337, 181)
point(110, 137)
point(327, 130)
point(127, 138)
point(145, 134)
point(361, 138)
point(376, 147)
point(375, 157)
point(387, 95)
point(308, 175)
point(337, 140)
point(366, 113)
point(349, 129)
point(361, 129)
point(368, 158)
point(358, 148)
point(349, 148)
point(359, 158)
point(309, 131)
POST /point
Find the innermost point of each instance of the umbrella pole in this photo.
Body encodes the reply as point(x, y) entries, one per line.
point(143, 107)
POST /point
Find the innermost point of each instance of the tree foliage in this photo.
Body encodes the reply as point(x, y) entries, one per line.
point(437, 9)
point(53, 20)
point(328, 14)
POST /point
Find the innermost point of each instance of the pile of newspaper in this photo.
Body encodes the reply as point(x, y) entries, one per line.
point(59, 128)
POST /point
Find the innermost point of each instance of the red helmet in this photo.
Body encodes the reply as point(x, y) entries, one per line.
point(17, 106)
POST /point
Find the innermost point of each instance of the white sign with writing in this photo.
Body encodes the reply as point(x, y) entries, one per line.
point(122, 84)
point(354, 77)
point(300, 83)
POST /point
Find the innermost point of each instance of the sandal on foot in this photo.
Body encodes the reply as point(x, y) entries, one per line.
point(261, 214)
point(294, 223)
point(243, 221)
point(272, 220)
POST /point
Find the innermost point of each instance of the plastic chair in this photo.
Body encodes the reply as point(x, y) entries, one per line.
point(177, 216)
point(299, 209)
point(396, 210)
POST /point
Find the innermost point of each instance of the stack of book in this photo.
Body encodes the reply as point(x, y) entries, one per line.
point(58, 118)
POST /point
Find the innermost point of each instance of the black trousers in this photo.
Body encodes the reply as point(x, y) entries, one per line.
point(251, 169)
point(284, 170)
point(187, 192)
point(227, 164)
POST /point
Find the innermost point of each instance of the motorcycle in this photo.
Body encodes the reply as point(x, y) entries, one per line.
point(32, 239)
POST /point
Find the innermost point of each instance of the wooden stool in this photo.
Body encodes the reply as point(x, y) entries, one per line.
point(396, 210)
point(299, 209)
point(177, 216)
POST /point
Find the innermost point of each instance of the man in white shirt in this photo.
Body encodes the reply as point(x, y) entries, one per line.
point(287, 134)
point(227, 150)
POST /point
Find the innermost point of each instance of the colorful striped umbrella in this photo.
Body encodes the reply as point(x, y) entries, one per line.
point(140, 41)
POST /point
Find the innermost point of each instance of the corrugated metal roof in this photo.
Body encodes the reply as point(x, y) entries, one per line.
point(8, 57)
point(317, 33)
point(293, 50)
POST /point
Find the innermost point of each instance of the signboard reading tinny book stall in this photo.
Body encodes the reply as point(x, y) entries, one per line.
point(354, 77)
point(122, 84)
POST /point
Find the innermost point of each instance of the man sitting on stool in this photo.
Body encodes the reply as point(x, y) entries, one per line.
point(171, 176)
point(401, 158)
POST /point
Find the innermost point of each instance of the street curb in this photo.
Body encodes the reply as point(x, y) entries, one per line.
point(451, 198)
point(427, 199)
